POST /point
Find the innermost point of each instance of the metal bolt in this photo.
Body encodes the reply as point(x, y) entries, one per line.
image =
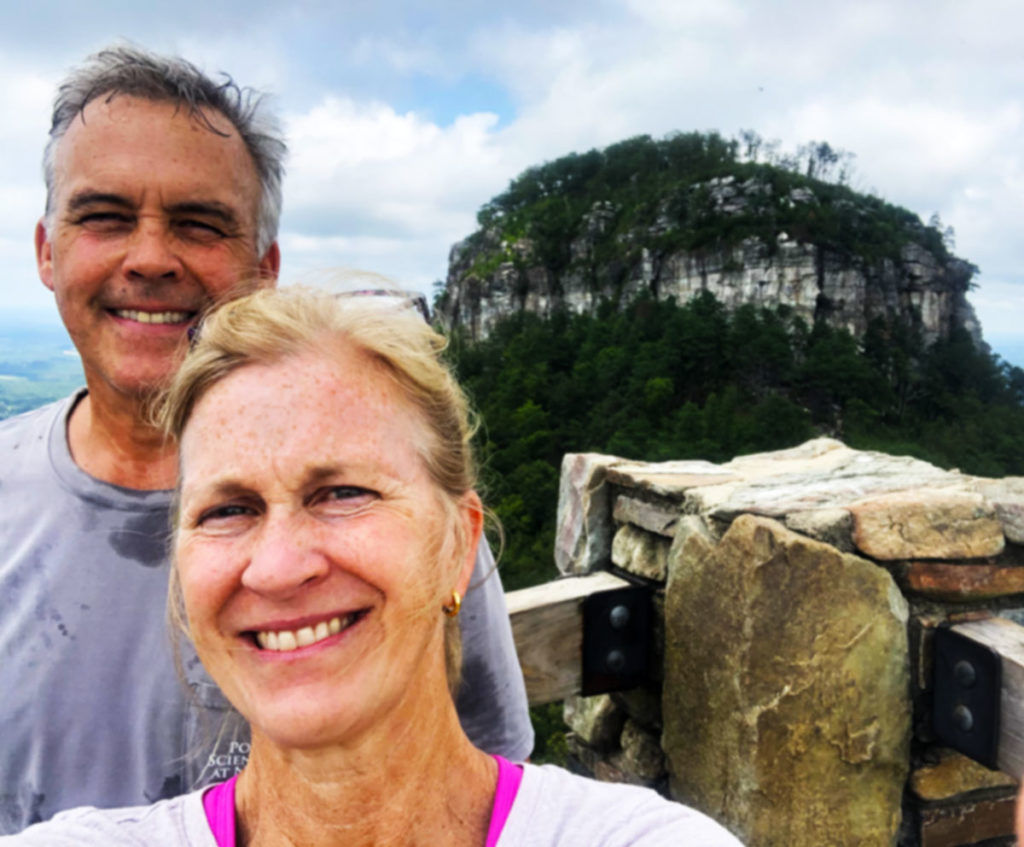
point(619, 617)
point(965, 673)
point(963, 718)
point(615, 661)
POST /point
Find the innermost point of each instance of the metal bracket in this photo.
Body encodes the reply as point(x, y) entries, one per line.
point(967, 686)
point(616, 639)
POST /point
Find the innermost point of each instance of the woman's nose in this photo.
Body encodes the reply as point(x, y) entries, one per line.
point(283, 559)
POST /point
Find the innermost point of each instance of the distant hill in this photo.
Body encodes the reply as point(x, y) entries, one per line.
point(697, 212)
point(38, 364)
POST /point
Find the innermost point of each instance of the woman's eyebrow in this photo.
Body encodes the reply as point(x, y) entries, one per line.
point(220, 488)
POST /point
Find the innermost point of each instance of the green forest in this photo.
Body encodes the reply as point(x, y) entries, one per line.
point(666, 195)
point(657, 380)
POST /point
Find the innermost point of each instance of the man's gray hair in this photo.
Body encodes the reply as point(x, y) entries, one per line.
point(135, 72)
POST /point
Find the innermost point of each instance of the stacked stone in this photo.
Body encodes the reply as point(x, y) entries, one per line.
point(796, 596)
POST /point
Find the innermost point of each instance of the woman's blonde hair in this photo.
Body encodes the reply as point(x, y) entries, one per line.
point(269, 325)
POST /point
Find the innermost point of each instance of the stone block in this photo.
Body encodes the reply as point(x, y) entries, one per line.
point(922, 636)
point(1007, 498)
point(962, 582)
point(967, 823)
point(954, 774)
point(640, 756)
point(592, 762)
point(654, 517)
point(921, 524)
point(820, 474)
point(669, 480)
point(584, 520)
point(641, 552)
point(642, 704)
point(697, 527)
point(831, 526)
point(785, 705)
point(596, 720)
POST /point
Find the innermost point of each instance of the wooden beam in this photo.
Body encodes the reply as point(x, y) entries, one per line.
point(1007, 639)
point(547, 625)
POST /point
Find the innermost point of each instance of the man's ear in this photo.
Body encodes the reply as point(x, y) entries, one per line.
point(44, 255)
point(270, 266)
point(471, 515)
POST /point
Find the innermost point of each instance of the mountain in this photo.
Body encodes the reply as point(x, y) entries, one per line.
point(696, 212)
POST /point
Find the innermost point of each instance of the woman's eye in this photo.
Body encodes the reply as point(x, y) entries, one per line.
point(346, 497)
point(222, 513)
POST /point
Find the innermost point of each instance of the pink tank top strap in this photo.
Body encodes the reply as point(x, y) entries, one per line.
point(219, 805)
point(509, 777)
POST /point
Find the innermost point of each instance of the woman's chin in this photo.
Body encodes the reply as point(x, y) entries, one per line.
point(302, 727)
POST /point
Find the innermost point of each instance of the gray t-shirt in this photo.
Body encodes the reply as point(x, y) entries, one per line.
point(553, 808)
point(92, 711)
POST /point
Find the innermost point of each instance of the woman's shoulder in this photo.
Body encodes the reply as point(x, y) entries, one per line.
point(555, 807)
point(178, 822)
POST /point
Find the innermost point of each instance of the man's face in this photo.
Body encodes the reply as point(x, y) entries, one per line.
point(154, 216)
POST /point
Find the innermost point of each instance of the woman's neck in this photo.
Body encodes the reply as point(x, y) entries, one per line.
point(417, 783)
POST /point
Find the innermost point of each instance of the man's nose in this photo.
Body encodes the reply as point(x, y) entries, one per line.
point(283, 559)
point(151, 253)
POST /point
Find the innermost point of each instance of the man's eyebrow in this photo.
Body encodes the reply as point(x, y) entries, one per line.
point(93, 198)
point(210, 208)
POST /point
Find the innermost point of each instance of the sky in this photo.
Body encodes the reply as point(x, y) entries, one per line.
point(403, 118)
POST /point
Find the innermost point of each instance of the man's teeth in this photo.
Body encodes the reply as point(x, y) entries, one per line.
point(153, 317)
point(286, 640)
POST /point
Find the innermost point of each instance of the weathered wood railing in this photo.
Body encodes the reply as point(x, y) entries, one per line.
point(553, 623)
point(979, 691)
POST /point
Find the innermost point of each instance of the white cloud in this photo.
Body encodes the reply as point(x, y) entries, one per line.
point(927, 98)
point(386, 191)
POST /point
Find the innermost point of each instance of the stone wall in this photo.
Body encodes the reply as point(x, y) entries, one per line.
point(796, 594)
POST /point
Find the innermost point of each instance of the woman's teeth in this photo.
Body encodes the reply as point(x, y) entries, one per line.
point(285, 640)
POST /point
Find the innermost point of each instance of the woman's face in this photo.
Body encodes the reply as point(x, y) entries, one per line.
point(308, 547)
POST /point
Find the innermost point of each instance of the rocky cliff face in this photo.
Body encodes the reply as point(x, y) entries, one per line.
point(491, 275)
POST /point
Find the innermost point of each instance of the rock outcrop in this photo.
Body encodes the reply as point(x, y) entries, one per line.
point(492, 274)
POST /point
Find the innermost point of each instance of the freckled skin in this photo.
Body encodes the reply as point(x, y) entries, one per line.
point(303, 496)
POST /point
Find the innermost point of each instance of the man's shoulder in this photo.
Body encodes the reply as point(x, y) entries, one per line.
point(35, 421)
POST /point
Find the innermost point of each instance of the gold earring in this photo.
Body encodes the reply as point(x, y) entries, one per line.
point(453, 610)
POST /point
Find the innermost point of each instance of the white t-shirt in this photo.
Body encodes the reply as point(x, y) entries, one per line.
point(553, 808)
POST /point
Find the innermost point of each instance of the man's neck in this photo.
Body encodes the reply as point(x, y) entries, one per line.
point(111, 440)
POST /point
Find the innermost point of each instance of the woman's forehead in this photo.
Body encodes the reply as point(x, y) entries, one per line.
point(311, 403)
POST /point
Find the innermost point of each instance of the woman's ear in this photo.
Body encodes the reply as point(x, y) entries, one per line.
point(471, 522)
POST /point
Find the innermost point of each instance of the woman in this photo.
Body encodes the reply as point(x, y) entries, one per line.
point(324, 535)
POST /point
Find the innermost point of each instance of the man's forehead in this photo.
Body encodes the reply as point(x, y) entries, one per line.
point(119, 107)
point(123, 143)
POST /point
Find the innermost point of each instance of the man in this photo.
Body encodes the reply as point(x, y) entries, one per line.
point(163, 196)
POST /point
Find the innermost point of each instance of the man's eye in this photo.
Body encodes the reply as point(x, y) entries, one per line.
point(198, 230)
point(104, 221)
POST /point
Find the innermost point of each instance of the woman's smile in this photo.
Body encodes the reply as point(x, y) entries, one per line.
point(309, 538)
point(288, 640)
